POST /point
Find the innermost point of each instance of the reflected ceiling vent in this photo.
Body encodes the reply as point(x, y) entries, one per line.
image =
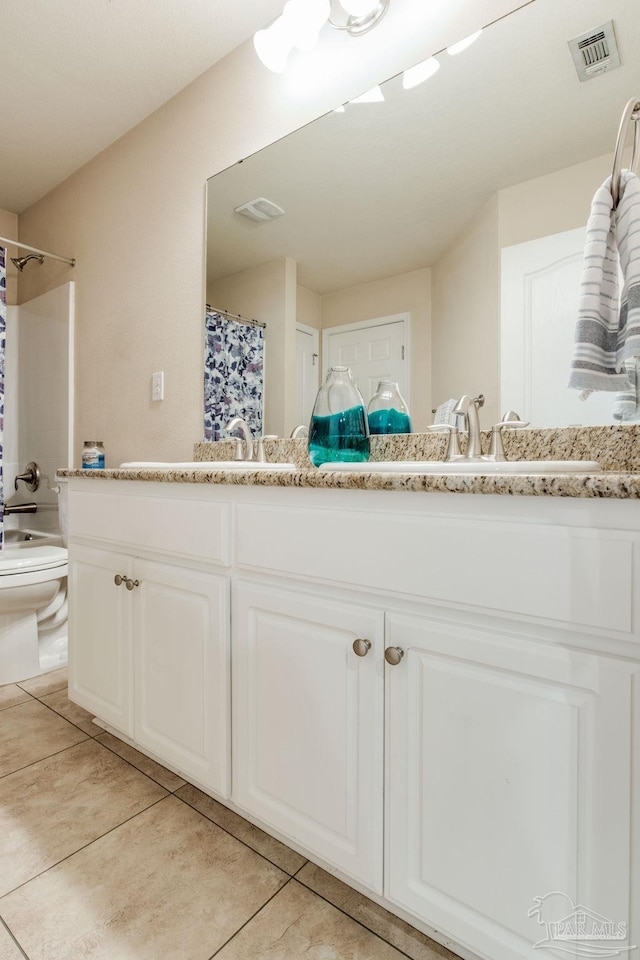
point(260, 210)
point(595, 52)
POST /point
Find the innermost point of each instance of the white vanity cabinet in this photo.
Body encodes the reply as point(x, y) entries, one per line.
point(149, 654)
point(435, 696)
point(308, 723)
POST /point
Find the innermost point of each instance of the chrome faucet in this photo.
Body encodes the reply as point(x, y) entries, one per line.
point(244, 445)
point(468, 408)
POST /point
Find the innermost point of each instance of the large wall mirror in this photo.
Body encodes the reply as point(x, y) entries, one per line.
point(434, 236)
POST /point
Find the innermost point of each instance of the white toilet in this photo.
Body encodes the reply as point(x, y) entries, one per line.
point(33, 611)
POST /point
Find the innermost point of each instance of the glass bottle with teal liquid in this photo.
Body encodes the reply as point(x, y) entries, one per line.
point(387, 410)
point(339, 430)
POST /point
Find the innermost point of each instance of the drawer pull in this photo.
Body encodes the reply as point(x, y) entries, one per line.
point(393, 655)
point(130, 584)
point(361, 647)
point(119, 580)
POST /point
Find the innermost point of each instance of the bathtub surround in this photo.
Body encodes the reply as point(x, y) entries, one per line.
point(233, 374)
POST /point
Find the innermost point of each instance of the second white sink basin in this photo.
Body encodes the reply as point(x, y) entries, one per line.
point(205, 465)
point(468, 466)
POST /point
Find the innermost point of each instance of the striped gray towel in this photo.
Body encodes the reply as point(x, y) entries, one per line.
point(626, 406)
point(608, 331)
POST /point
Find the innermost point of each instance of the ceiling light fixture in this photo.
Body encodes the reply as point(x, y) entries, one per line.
point(302, 20)
point(457, 48)
point(414, 76)
point(375, 95)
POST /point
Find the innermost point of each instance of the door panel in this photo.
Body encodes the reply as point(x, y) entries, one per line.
point(182, 670)
point(373, 353)
point(308, 724)
point(508, 779)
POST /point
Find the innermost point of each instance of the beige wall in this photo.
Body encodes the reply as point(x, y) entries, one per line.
point(309, 308)
point(9, 229)
point(552, 204)
point(407, 293)
point(267, 293)
point(466, 315)
point(134, 217)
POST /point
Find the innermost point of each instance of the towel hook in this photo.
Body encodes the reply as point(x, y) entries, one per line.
point(631, 112)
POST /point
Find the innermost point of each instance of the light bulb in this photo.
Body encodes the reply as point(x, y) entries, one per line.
point(457, 48)
point(304, 20)
point(375, 95)
point(274, 45)
point(420, 73)
point(359, 8)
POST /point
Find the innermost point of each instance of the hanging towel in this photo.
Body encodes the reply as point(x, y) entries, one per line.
point(444, 412)
point(626, 406)
point(608, 331)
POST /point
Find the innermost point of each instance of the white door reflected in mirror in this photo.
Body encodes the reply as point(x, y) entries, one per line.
point(540, 291)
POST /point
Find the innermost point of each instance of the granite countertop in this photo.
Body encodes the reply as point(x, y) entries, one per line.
point(615, 448)
point(605, 484)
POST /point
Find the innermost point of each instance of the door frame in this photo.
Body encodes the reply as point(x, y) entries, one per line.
point(404, 318)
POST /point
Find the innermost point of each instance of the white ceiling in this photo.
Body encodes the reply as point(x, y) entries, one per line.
point(385, 188)
point(77, 74)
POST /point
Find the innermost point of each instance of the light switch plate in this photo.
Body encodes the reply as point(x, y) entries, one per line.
point(157, 386)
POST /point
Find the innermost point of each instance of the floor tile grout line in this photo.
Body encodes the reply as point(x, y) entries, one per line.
point(48, 692)
point(124, 759)
point(8, 706)
point(92, 736)
point(7, 928)
point(243, 842)
point(47, 757)
point(359, 922)
point(252, 917)
point(80, 849)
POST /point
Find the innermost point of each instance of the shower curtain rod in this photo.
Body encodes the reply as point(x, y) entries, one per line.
point(237, 317)
point(43, 253)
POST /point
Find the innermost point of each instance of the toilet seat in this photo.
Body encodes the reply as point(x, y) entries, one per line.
point(31, 560)
point(23, 566)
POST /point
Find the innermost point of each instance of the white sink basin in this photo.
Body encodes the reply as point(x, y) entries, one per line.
point(205, 465)
point(468, 466)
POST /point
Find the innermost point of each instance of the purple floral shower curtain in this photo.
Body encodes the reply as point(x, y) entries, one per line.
point(233, 375)
point(3, 337)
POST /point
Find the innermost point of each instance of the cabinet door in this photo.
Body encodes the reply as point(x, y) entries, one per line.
point(100, 635)
point(181, 652)
point(308, 723)
point(508, 785)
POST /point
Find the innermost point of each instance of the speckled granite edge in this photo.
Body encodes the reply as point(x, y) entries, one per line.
point(616, 448)
point(602, 485)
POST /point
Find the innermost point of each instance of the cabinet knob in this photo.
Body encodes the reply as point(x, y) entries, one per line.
point(118, 579)
point(394, 655)
point(130, 584)
point(361, 647)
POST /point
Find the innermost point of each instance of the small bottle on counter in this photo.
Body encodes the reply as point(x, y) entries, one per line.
point(93, 457)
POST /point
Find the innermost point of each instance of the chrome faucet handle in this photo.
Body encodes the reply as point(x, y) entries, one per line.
point(510, 420)
point(262, 457)
point(301, 432)
point(238, 447)
point(453, 446)
point(30, 477)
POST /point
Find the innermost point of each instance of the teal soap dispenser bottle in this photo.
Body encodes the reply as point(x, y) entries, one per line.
point(387, 410)
point(339, 430)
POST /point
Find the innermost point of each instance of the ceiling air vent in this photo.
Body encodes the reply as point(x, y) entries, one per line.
point(260, 210)
point(595, 51)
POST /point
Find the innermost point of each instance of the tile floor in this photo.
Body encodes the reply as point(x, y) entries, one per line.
point(106, 855)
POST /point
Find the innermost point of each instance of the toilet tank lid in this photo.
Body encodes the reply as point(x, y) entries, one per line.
point(16, 559)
